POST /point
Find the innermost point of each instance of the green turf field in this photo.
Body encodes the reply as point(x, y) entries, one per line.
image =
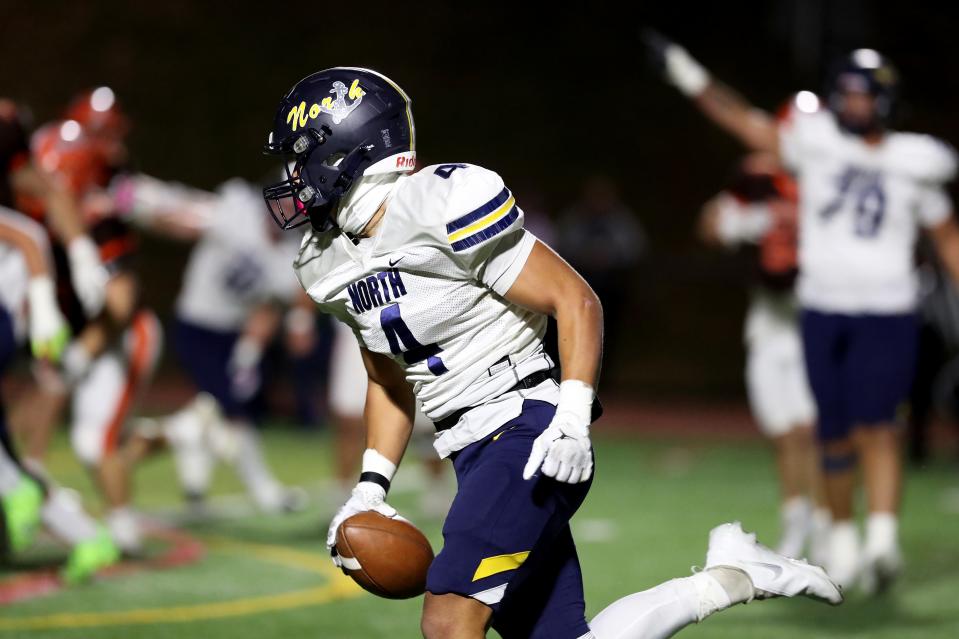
point(646, 520)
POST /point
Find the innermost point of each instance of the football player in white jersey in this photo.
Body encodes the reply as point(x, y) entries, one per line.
point(228, 310)
point(865, 191)
point(759, 207)
point(448, 295)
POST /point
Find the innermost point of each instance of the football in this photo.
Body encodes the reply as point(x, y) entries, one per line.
point(387, 557)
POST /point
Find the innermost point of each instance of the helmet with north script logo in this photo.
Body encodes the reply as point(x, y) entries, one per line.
point(331, 128)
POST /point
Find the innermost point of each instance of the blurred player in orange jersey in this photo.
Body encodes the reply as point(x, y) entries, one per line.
point(113, 356)
point(28, 304)
point(759, 208)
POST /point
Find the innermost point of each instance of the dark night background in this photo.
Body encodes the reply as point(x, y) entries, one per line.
point(544, 94)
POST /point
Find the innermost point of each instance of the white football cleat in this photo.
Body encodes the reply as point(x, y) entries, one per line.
point(772, 575)
point(124, 527)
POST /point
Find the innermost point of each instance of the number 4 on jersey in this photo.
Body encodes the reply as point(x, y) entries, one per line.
point(446, 170)
point(403, 343)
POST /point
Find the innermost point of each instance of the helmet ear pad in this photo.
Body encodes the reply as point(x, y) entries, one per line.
point(334, 175)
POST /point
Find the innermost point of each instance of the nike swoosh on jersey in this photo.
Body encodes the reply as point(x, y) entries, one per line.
point(396, 261)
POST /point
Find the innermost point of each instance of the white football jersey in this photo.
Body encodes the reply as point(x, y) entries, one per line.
point(860, 210)
point(13, 286)
point(427, 290)
point(14, 275)
point(241, 260)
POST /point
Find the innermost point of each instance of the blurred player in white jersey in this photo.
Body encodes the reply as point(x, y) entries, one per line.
point(236, 284)
point(759, 207)
point(448, 295)
point(865, 191)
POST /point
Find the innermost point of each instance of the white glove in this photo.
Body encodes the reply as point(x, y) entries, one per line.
point(88, 275)
point(49, 332)
point(366, 496)
point(244, 368)
point(563, 450)
point(684, 72)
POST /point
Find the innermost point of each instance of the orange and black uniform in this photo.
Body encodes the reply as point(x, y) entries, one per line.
point(114, 238)
point(778, 261)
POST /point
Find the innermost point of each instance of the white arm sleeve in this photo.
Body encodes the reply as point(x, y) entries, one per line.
point(145, 198)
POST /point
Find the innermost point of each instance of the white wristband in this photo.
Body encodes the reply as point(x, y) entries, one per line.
point(576, 397)
point(690, 77)
point(375, 462)
point(738, 223)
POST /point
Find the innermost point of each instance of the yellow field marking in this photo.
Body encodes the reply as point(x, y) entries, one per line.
point(338, 587)
point(282, 555)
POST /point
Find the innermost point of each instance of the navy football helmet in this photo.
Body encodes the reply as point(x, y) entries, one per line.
point(864, 71)
point(331, 128)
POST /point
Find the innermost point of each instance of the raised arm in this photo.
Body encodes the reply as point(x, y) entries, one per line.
point(755, 128)
point(87, 272)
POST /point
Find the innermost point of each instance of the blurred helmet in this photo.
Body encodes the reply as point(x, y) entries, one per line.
point(64, 150)
point(864, 71)
point(98, 113)
point(332, 128)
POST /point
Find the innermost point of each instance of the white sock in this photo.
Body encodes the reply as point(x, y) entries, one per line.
point(125, 529)
point(796, 517)
point(882, 534)
point(819, 536)
point(194, 462)
point(671, 606)
point(63, 515)
point(844, 559)
point(251, 466)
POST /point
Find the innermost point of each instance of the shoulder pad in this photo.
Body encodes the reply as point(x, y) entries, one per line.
point(925, 157)
point(451, 204)
point(479, 206)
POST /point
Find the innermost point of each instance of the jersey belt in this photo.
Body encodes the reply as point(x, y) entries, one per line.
point(530, 381)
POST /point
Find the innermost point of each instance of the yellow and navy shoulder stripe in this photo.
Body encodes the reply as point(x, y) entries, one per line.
point(483, 223)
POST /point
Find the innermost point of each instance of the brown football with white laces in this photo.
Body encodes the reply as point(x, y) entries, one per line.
point(385, 556)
